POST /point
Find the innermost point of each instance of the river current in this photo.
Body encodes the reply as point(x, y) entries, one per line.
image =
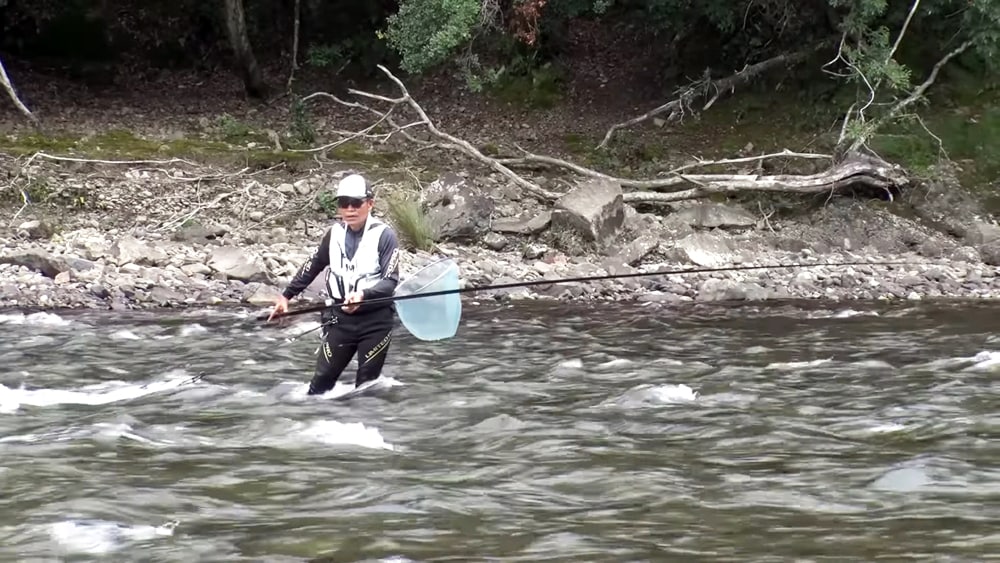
point(540, 432)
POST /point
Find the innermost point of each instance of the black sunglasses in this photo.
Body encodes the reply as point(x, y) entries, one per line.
point(354, 202)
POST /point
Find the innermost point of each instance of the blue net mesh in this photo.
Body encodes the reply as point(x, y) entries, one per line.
point(435, 317)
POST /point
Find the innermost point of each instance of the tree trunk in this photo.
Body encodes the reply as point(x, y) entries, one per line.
point(236, 29)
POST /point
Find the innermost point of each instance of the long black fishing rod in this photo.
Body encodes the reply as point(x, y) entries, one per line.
point(329, 303)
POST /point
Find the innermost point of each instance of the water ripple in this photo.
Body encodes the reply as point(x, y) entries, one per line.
point(537, 434)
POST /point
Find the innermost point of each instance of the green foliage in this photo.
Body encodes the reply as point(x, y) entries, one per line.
point(327, 202)
point(876, 38)
point(427, 32)
point(533, 87)
point(233, 129)
point(302, 130)
point(410, 222)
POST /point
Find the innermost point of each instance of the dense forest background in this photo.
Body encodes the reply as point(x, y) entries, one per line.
point(913, 79)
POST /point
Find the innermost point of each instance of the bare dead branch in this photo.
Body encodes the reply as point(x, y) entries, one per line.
point(381, 115)
point(704, 87)
point(450, 142)
point(675, 178)
point(858, 170)
point(99, 161)
point(12, 92)
point(181, 219)
point(676, 186)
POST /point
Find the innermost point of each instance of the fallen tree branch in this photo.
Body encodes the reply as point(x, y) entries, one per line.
point(383, 116)
point(703, 87)
point(675, 177)
point(856, 170)
point(9, 87)
point(450, 141)
point(99, 161)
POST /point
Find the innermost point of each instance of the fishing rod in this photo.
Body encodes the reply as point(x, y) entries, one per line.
point(330, 303)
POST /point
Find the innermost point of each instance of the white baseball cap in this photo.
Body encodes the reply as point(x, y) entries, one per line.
point(354, 186)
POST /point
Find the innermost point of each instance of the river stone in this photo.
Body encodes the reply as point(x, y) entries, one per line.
point(704, 249)
point(730, 290)
point(237, 264)
point(715, 216)
point(165, 297)
point(494, 241)
point(990, 253)
point(38, 261)
point(128, 249)
point(35, 229)
point(257, 293)
point(528, 224)
point(980, 232)
point(633, 252)
point(195, 232)
point(456, 209)
point(966, 254)
point(594, 210)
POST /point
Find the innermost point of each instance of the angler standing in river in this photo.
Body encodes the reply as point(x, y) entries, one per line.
point(363, 255)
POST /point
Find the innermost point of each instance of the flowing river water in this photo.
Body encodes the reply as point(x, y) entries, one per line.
point(541, 432)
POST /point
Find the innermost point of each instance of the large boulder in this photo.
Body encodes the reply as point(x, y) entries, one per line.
point(457, 209)
point(594, 210)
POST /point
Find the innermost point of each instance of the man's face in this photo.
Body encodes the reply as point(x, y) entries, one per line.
point(353, 211)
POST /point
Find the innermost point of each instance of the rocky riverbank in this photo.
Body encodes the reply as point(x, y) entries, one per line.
point(157, 238)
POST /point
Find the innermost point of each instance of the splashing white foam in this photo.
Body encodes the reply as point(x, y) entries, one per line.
point(124, 334)
point(7, 404)
point(984, 361)
point(97, 394)
point(194, 328)
point(101, 536)
point(887, 428)
point(41, 319)
point(342, 433)
point(847, 313)
point(300, 390)
point(646, 395)
point(798, 365)
point(615, 363)
point(679, 393)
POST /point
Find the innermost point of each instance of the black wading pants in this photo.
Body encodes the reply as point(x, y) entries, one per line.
point(366, 333)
